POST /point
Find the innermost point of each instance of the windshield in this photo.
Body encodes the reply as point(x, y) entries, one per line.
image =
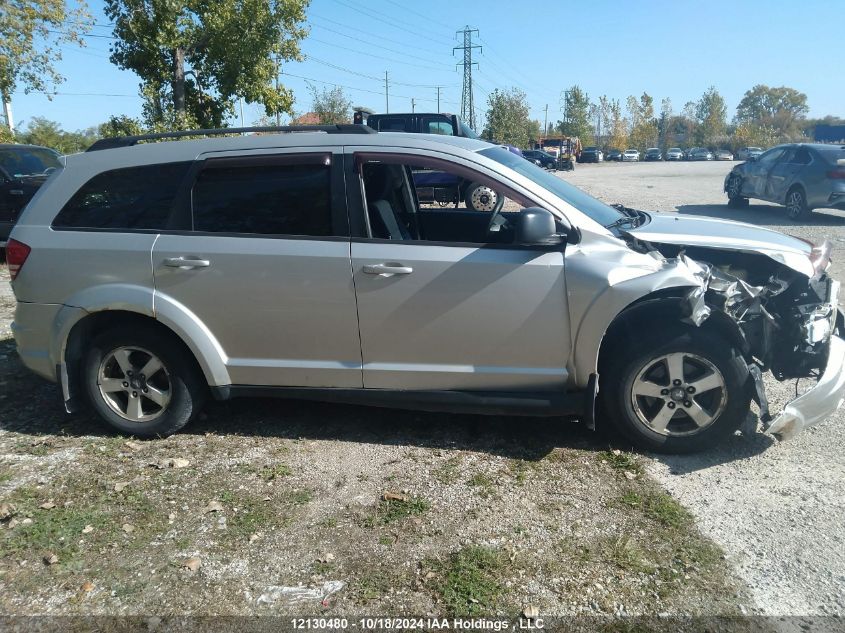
point(586, 204)
point(27, 161)
point(467, 131)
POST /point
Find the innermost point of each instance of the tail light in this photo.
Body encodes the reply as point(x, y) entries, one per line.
point(16, 254)
point(836, 174)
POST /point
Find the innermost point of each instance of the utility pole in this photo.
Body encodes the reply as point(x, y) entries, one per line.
point(386, 94)
point(467, 105)
point(546, 121)
point(278, 70)
point(413, 104)
point(7, 111)
point(438, 99)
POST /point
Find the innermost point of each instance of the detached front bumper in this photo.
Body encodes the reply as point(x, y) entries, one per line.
point(819, 402)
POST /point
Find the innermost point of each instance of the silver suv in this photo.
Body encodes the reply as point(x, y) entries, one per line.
point(305, 265)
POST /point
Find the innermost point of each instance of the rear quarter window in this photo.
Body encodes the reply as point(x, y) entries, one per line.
point(130, 198)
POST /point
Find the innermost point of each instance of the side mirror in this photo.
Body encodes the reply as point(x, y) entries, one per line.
point(536, 227)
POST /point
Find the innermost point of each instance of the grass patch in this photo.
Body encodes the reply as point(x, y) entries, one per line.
point(468, 582)
point(619, 460)
point(519, 469)
point(371, 587)
point(449, 471)
point(659, 507)
point(392, 510)
point(276, 471)
point(627, 555)
point(301, 497)
point(5, 475)
point(58, 531)
point(483, 482)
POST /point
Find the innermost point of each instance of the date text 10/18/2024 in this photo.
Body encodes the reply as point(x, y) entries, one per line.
point(418, 624)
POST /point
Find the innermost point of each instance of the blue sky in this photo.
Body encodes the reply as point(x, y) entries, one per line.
point(666, 48)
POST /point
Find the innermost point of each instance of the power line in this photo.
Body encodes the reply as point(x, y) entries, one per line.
point(378, 18)
point(370, 34)
point(358, 39)
point(422, 15)
point(373, 55)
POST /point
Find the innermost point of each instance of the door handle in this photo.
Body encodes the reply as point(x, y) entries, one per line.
point(185, 262)
point(388, 269)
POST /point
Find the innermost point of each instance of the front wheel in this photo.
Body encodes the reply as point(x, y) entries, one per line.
point(734, 191)
point(141, 383)
point(681, 390)
point(796, 204)
point(483, 198)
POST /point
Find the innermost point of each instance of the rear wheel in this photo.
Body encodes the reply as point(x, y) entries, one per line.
point(679, 390)
point(141, 383)
point(796, 204)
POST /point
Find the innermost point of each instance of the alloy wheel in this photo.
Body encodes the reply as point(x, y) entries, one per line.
point(678, 394)
point(795, 204)
point(134, 383)
point(484, 199)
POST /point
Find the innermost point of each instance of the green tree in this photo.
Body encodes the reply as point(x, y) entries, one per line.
point(196, 57)
point(120, 125)
point(331, 106)
point(507, 117)
point(711, 116)
point(782, 109)
point(643, 132)
point(576, 115)
point(617, 125)
point(31, 34)
point(41, 131)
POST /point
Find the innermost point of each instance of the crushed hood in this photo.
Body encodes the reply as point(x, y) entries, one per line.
point(665, 228)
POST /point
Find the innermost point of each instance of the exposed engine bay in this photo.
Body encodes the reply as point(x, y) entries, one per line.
point(785, 319)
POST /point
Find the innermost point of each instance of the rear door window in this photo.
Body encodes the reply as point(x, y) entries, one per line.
point(288, 195)
point(130, 198)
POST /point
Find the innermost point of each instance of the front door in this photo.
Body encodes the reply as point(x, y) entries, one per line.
point(758, 173)
point(443, 304)
point(265, 267)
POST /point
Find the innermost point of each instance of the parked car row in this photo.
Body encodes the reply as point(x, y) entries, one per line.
point(676, 153)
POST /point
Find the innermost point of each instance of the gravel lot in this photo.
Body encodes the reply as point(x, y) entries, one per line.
point(778, 509)
point(269, 494)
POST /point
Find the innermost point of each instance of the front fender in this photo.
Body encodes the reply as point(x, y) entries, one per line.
point(603, 280)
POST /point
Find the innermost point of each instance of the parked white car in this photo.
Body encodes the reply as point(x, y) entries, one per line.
point(631, 155)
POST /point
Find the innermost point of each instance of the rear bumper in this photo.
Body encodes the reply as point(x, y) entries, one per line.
point(819, 402)
point(33, 328)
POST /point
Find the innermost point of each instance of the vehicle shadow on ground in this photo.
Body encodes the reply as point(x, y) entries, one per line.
point(765, 214)
point(744, 445)
point(31, 406)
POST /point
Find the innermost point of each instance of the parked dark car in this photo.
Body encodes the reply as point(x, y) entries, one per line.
point(539, 157)
point(653, 153)
point(700, 153)
point(591, 155)
point(614, 154)
point(23, 169)
point(802, 177)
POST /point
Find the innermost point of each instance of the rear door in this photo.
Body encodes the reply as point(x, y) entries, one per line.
point(263, 263)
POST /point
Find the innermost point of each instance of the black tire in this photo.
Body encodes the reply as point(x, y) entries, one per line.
point(186, 387)
point(796, 204)
point(734, 190)
point(468, 199)
point(729, 405)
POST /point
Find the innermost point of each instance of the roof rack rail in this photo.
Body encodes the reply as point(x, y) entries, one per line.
point(129, 141)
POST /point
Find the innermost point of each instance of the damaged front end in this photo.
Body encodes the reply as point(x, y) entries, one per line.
point(787, 321)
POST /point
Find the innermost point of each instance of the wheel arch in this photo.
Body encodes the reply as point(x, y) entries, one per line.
point(203, 350)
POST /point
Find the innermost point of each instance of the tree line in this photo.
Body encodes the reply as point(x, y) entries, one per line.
point(764, 117)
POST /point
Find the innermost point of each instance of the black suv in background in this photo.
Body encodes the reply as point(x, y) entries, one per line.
point(23, 169)
point(541, 158)
point(591, 155)
point(614, 154)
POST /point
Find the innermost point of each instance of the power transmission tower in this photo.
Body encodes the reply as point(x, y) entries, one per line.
point(386, 94)
point(467, 105)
